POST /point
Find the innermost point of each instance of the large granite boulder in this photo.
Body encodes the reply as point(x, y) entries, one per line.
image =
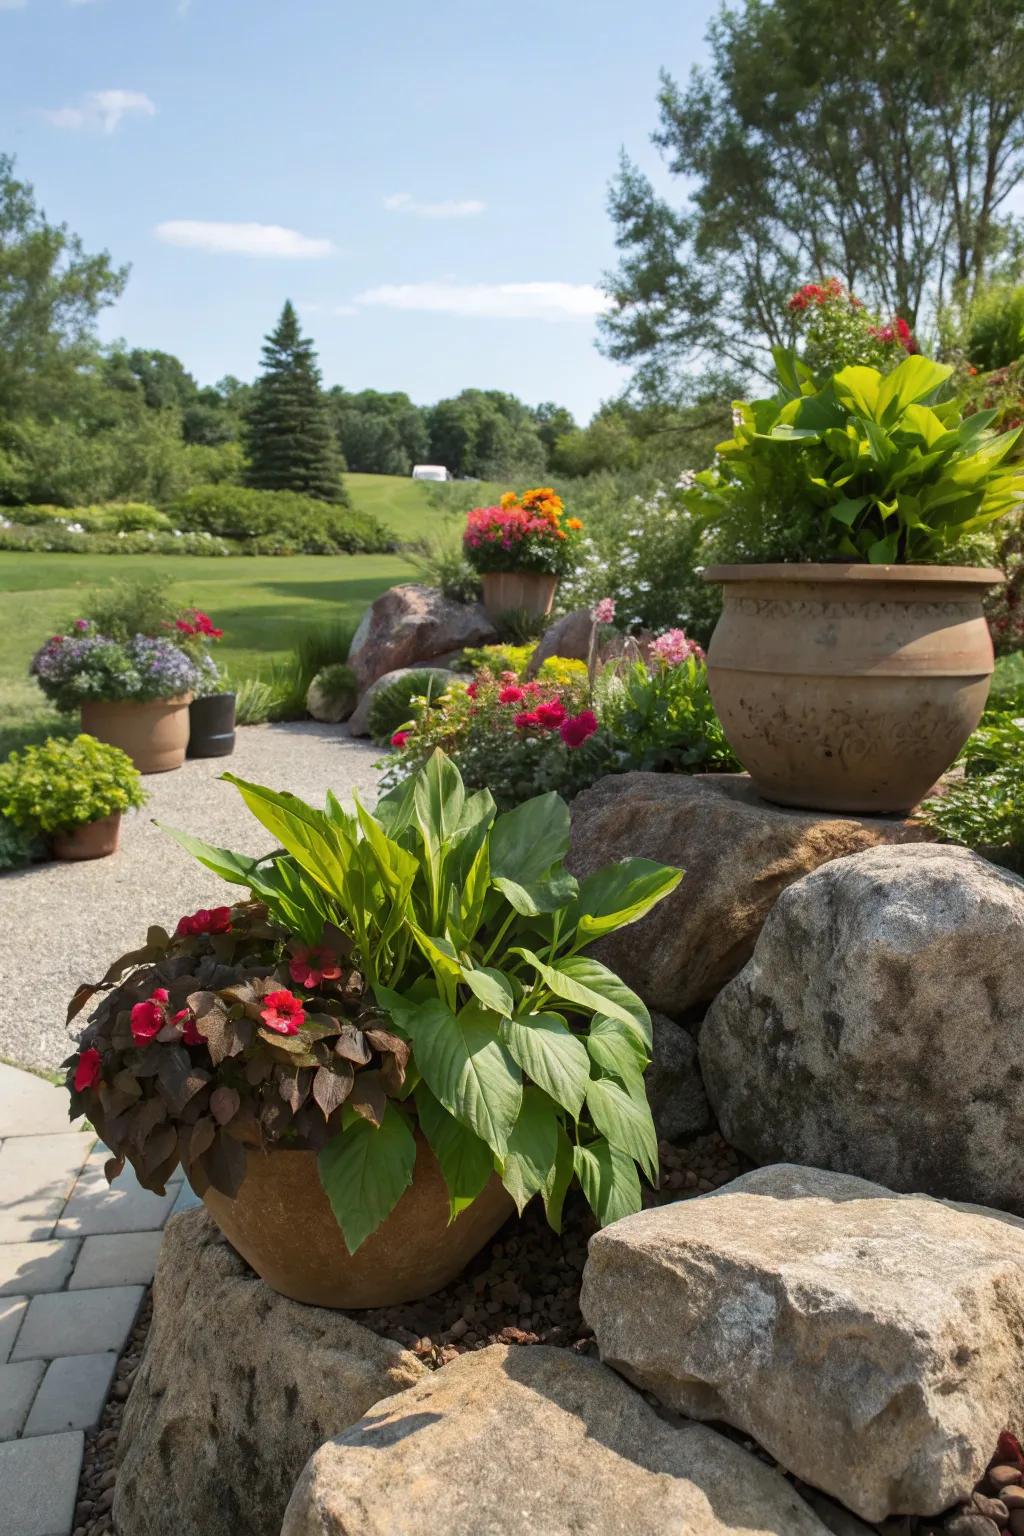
point(878, 1027)
point(505, 1442)
point(871, 1342)
point(738, 852)
point(237, 1388)
point(359, 723)
point(675, 1089)
point(413, 625)
point(568, 636)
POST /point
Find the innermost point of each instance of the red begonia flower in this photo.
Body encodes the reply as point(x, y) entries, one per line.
point(527, 719)
point(510, 694)
point(400, 738)
point(87, 1072)
point(550, 716)
point(148, 1019)
point(206, 920)
point(282, 1012)
point(310, 966)
point(575, 731)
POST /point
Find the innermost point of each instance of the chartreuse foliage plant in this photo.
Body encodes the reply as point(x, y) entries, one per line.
point(436, 955)
point(64, 784)
point(871, 467)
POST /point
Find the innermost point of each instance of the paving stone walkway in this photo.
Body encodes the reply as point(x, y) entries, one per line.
point(76, 1257)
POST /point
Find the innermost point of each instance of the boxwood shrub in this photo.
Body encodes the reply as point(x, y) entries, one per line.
point(279, 522)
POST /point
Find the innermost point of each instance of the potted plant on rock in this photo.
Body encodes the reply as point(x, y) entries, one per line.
point(72, 792)
point(849, 676)
point(520, 548)
point(211, 714)
point(396, 1034)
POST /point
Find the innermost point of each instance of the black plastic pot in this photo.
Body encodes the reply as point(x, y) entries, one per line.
point(212, 726)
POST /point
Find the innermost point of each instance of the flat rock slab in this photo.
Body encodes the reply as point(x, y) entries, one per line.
point(871, 1342)
point(878, 1026)
point(505, 1442)
point(738, 853)
point(237, 1388)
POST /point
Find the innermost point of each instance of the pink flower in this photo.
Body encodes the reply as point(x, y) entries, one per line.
point(87, 1072)
point(148, 1019)
point(604, 611)
point(673, 647)
point(471, 691)
point(206, 920)
point(400, 738)
point(282, 1012)
point(575, 730)
point(81, 624)
point(310, 966)
point(510, 695)
point(551, 715)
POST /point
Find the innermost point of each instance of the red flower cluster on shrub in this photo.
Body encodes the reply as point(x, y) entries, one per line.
point(283, 1013)
point(899, 331)
point(575, 731)
point(206, 920)
point(199, 624)
point(817, 293)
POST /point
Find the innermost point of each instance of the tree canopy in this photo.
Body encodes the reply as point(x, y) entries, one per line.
point(288, 433)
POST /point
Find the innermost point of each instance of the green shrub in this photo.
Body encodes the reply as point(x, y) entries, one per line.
point(662, 717)
point(65, 784)
point(255, 701)
point(391, 706)
point(279, 522)
point(995, 326)
point(983, 811)
point(19, 846)
point(498, 658)
point(337, 686)
point(111, 517)
point(440, 561)
point(53, 538)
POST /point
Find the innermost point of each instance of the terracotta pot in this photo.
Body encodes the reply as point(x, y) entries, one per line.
point(511, 591)
point(849, 687)
point(94, 840)
point(281, 1223)
point(154, 734)
point(211, 726)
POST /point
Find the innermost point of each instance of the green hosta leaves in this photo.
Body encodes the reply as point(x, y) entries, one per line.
point(609, 1181)
point(622, 893)
point(532, 1148)
point(913, 380)
point(551, 1055)
point(616, 1048)
point(314, 841)
point(528, 841)
point(624, 1119)
point(466, 1161)
point(364, 1172)
point(592, 987)
point(559, 1177)
point(465, 1064)
point(542, 896)
point(491, 987)
point(236, 868)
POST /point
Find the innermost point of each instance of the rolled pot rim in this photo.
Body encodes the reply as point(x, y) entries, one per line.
point(847, 571)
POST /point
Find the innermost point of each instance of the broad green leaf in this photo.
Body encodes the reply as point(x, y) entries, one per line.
point(616, 1048)
point(439, 799)
point(609, 1181)
point(884, 551)
point(542, 896)
point(490, 986)
point(913, 380)
point(309, 836)
point(439, 951)
point(551, 1055)
point(527, 841)
point(848, 510)
point(466, 1161)
point(237, 868)
point(624, 1120)
point(398, 869)
point(364, 1171)
point(927, 426)
point(556, 1185)
point(532, 1148)
point(466, 1065)
point(857, 388)
point(593, 988)
point(395, 811)
point(622, 893)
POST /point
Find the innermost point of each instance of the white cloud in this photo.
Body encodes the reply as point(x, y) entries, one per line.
point(102, 111)
point(404, 202)
point(243, 239)
point(502, 301)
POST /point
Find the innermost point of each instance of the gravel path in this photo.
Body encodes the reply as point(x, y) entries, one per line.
point(64, 923)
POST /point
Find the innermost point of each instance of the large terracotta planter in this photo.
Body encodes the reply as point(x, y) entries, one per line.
point(849, 687)
point(530, 592)
point(211, 725)
point(94, 840)
point(154, 734)
point(281, 1223)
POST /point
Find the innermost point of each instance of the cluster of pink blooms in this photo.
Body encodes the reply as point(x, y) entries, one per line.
point(673, 647)
point(542, 713)
point(507, 526)
point(820, 293)
point(152, 1016)
point(603, 612)
point(898, 331)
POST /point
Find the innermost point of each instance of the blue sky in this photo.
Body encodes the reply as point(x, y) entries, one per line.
point(427, 182)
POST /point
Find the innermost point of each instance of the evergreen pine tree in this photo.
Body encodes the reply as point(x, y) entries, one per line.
point(290, 440)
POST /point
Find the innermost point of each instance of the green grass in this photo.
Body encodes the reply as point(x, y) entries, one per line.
point(261, 604)
point(400, 502)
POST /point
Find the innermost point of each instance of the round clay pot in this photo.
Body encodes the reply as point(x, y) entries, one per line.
point(154, 734)
point(93, 840)
point(849, 687)
point(530, 592)
point(211, 726)
point(283, 1226)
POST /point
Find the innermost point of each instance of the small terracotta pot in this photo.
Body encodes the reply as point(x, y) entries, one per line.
point(850, 687)
point(531, 592)
point(154, 734)
point(211, 725)
point(283, 1226)
point(93, 840)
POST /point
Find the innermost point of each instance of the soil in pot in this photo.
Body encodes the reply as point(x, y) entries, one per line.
point(212, 726)
point(850, 687)
point(94, 840)
point(154, 734)
point(531, 592)
point(282, 1224)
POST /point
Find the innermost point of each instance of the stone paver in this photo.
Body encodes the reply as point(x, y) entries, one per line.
point(38, 1484)
point(37, 1173)
point(12, 1315)
point(28, 1268)
point(18, 1386)
point(72, 1395)
point(118, 1258)
point(29, 1106)
point(77, 1322)
point(124, 1206)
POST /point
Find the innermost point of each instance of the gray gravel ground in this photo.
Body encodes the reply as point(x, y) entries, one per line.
point(64, 923)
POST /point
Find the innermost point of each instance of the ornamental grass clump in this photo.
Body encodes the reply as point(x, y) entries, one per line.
point(419, 967)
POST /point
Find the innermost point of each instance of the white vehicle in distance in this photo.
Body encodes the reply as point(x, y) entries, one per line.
point(430, 472)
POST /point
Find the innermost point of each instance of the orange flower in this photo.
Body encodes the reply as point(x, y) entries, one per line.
point(510, 499)
point(574, 523)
